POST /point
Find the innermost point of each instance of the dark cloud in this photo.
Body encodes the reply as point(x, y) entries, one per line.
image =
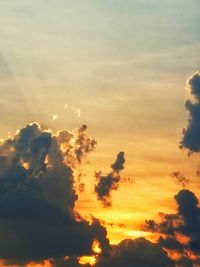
point(136, 253)
point(128, 253)
point(180, 232)
point(118, 165)
point(109, 182)
point(37, 198)
point(191, 134)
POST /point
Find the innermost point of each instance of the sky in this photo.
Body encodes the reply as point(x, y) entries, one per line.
point(121, 68)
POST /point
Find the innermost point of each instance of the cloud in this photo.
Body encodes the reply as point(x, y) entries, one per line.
point(75, 110)
point(110, 182)
point(38, 219)
point(191, 134)
point(37, 197)
point(55, 116)
point(180, 179)
point(180, 232)
point(136, 253)
point(75, 145)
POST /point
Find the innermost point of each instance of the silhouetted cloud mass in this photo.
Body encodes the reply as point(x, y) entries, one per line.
point(128, 253)
point(37, 197)
point(191, 134)
point(180, 232)
point(136, 253)
point(38, 219)
point(109, 182)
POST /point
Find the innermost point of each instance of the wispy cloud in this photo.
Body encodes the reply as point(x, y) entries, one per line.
point(75, 110)
point(55, 117)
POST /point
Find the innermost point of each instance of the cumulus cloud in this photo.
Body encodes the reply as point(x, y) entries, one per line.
point(180, 232)
point(136, 253)
point(38, 219)
point(109, 182)
point(37, 197)
point(191, 134)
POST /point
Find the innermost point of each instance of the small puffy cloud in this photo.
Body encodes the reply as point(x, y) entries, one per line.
point(109, 182)
point(118, 165)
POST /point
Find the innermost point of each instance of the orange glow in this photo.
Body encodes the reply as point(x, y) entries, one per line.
point(91, 259)
point(87, 259)
point(96, 247)
point(137, 233)
point(192, 256)
point(174, 255)
point(46, 263)
point(2, 264)
point(184, 240)
point(25, 165)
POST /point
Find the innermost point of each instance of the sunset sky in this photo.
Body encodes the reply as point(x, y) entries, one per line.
point(121, 68)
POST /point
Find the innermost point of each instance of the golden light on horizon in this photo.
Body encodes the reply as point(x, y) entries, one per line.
point(46, 263)
point(137, 233)
point(91, 259)
point(2, 264)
